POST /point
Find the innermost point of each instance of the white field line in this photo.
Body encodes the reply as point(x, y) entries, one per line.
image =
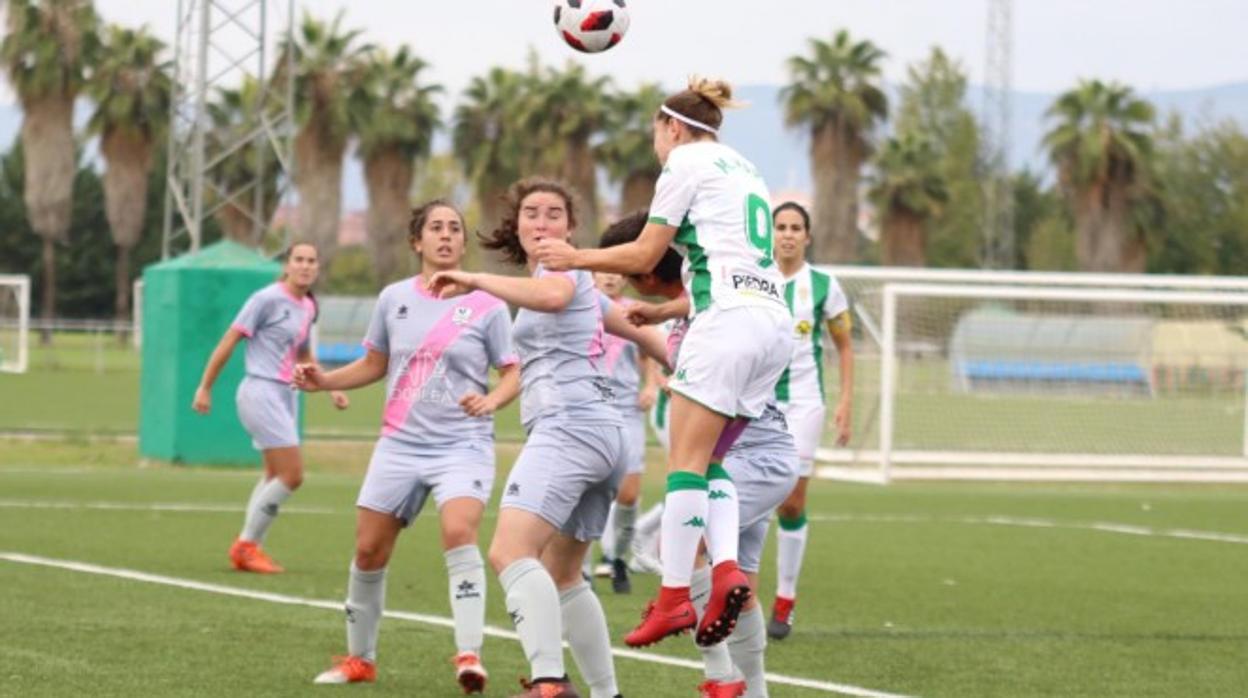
point(1100, 526)
point(153, 506)
point(492, 631)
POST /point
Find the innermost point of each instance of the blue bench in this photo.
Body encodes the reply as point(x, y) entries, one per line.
point(339, 353)
point(1125, 373)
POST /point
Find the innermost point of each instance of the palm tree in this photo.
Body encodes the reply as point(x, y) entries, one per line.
point(908, 192)
point(489, 141)
point(327, 63)
point(396, 118)
point(1104, 156)
point(46, 53)
point(567, 109)
point(236, 116)
point(628, 149)
point(132, 90)
point(835, 94)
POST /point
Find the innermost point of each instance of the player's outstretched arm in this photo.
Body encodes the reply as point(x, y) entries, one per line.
point(648, 339)
point(216, 362)
point(653, 313)
point(365, 370)
point(637, 257)
point(546, 294)
point(339, 398)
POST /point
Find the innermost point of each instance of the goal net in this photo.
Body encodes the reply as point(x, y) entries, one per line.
point(14, 322)
point(1010, 381)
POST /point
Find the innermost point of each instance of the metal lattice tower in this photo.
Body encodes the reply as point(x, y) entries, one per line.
point(997, 131)
point(224, 45)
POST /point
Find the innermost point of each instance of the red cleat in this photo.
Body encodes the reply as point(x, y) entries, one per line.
point(721, 689)
point(670, 614)
point(247, 556)
point(781, 623)
point(730, 591)
point(469, 673)
point(548, 688)
point(349, 670)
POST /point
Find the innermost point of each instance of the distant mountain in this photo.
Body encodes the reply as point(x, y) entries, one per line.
point(759, 133)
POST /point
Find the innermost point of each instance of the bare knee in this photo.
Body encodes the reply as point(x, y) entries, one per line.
point(791, 509)
point(292, 480)
point(458, 534)
point(371, 554)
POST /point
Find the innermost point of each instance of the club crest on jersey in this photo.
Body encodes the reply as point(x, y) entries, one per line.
point(804, 327)
point(755, 284)
point(461, 315)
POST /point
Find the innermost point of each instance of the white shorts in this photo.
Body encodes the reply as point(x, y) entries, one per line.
point(763, 478)
point(568, 474)
point(731, 359)
point(269, 411)
point(634, 440)
point(806, 421)
point(400, 477)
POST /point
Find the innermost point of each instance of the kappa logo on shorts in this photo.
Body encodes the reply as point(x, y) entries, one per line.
point(462, 315)
point(695, 522)
point(682, 375)
point(402, 312)
point(513, 489)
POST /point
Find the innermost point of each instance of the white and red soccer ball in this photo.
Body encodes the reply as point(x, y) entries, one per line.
point(591, 26)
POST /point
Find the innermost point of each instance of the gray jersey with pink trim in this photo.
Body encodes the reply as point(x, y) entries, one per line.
point(439, 351)
point(621, 362)
point(560, 359)
point(277, 325)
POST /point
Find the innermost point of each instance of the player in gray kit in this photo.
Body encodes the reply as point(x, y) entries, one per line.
point(763, 466)
point(558, 493)
point(625, 366)
point(437, 438)
point(276, 321)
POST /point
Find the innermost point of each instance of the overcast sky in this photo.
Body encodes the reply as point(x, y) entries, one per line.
point(1150, 44)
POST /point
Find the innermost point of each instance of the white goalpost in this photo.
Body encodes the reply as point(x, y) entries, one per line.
point(14, 323)
point(1070, 381)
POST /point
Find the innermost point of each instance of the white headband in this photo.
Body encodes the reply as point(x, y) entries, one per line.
point(681, 117)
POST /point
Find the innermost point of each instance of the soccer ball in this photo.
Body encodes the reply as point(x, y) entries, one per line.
point(591, 26)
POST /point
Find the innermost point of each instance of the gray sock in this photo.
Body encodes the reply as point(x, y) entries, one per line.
point(255, 491)
point(585, 629)
point(533, 603)
point(716, 658)
point(625, 518)
point(747, 645)
point(366, 598)
point(263, 509)
point(465, 572)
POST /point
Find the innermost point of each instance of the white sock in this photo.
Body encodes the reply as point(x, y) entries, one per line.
point(465, 573)
point(366, 598)
point(255, 491)
point(607, 542)
point(723, 521)
point(717, 661)
point(263, 509)
point(585, 629)
point(533, 603)
point(684, 523)
point(624, 528)
point(748, 645)
point(790, 549)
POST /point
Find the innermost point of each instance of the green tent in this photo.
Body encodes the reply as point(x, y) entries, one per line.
point(188, 303)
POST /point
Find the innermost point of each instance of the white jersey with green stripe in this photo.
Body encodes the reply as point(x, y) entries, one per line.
point(813, 298)
point(720, 206)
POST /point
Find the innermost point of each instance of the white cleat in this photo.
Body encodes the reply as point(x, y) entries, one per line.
point(643, 563)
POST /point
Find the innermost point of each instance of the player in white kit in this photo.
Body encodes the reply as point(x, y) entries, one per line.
point(437, 438)
point(712, 204)
point(763, 465)
point(276, 322)
point(626, 367)
point(558, 493)
point(816, 301)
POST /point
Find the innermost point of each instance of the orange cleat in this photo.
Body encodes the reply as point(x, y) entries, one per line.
point(349, 670)
point(469, 672)
point(670, 614)
point(246, 556)
point(721, 689)
point(730, 591)
point(548, 688)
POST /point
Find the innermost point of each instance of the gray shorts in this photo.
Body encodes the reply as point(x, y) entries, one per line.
point(568, 475)
point(400, 477)
point(269, 411)
point(634, 441)
point(764, 478)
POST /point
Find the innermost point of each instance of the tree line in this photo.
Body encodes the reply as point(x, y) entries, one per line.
point(1127, 191)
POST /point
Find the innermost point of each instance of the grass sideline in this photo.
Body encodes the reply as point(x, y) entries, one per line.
point(925, 605)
